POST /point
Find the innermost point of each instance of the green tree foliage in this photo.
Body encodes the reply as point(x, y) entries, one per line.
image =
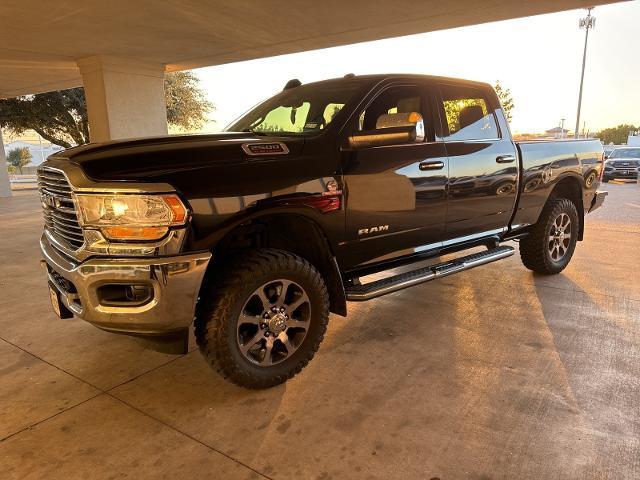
point(61, 117)
point(19, 157)
point(187, 104)
point(504, 94)
point(616, 135)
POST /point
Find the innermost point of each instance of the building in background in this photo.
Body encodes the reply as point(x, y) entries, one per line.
point(551, 134)
point(557, 132)
point(634, 139)
point(40, 149)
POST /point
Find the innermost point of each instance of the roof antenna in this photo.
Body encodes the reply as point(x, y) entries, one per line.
point(293, 83)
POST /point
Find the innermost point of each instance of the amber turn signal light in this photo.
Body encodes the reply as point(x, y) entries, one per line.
point(134, 233)
point(177, 209)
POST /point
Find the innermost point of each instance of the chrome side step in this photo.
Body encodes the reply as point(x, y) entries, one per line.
point(367, 291)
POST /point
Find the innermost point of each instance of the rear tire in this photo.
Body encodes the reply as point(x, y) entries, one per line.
point(262, 317)
point(550, 245)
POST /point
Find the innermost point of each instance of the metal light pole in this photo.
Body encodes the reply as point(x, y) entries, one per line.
point(587, 23)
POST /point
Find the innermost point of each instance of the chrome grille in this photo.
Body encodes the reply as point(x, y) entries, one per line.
point(60, 217)
point(625, 163)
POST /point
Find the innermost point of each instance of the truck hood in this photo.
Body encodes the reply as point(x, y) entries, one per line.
point(148, 159)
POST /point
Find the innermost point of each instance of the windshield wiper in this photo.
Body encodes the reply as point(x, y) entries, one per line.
point(256, 132)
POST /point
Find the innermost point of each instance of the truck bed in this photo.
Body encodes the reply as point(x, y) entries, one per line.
point(544, 163)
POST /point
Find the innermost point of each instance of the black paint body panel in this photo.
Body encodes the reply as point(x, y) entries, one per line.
point(380, 186)
point(544, 164)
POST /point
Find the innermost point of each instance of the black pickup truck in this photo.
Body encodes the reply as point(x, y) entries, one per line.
point(254, 235)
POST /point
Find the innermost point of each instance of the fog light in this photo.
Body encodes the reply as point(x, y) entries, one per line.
point(122, 295)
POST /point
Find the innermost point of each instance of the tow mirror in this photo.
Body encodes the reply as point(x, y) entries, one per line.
point(391, 129)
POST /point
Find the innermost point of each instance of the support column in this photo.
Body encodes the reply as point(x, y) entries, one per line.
point(124, 98)
point(5, 184)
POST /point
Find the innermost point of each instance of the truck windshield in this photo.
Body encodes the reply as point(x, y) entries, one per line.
point(303, 110)
point(626, 153)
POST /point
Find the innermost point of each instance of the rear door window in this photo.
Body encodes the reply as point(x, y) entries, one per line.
point(468, 114)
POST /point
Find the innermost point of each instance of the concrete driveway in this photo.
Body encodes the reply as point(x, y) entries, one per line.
point(493, 373)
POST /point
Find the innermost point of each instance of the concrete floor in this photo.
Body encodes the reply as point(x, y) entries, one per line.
point(493, 373)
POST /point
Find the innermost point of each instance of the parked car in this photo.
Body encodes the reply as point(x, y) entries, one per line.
point(608, 149)
point(254, 235)
point(623, 162)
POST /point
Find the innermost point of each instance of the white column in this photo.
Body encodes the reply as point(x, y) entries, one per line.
point(5, 185)
point(125, 98)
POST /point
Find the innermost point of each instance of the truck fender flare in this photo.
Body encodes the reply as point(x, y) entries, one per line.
point(570, 185)
point(328, 265)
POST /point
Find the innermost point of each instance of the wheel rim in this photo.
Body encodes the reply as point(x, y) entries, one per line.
point(559, 237)
point(273, 322)
point(504, 189)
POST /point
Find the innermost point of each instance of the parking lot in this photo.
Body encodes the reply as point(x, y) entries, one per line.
point(492, 373)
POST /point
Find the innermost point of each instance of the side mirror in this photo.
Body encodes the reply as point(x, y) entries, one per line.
point(391, 129)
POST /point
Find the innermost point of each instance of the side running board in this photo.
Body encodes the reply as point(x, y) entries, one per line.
point(367, 291)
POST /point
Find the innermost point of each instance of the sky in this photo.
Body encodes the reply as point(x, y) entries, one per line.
point(538, 58)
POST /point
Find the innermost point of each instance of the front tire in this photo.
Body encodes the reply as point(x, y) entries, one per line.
point(550, 245)
point(262, 318)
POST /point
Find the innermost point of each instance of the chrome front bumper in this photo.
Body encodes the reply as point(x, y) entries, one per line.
point(174, 283)
point(622, 172)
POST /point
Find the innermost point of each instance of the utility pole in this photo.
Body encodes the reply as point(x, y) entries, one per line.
point(562, 127)
point(587, 23)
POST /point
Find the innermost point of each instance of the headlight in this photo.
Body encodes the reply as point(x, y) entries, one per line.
point(131, 217)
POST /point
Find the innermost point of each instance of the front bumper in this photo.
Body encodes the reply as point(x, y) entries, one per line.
point(173, 283)
point(630, 172)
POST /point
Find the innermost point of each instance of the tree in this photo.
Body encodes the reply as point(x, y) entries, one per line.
point(19, 157)
point(505, 98)
point(61, 117)
point(187, 104)
point(616, 135)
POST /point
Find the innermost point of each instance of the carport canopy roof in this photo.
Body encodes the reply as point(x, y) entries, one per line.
point(40, 41)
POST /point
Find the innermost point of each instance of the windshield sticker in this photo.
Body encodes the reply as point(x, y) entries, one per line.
point(271, 148)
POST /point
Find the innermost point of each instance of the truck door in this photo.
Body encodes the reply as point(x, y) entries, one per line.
point(395, 194)
point(483, 166)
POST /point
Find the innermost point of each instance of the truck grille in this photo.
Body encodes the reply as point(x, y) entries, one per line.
point(60, 217)
point(625, 164)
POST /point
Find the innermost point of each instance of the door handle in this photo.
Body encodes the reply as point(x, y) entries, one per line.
point(506, 158)
point(431, 165)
